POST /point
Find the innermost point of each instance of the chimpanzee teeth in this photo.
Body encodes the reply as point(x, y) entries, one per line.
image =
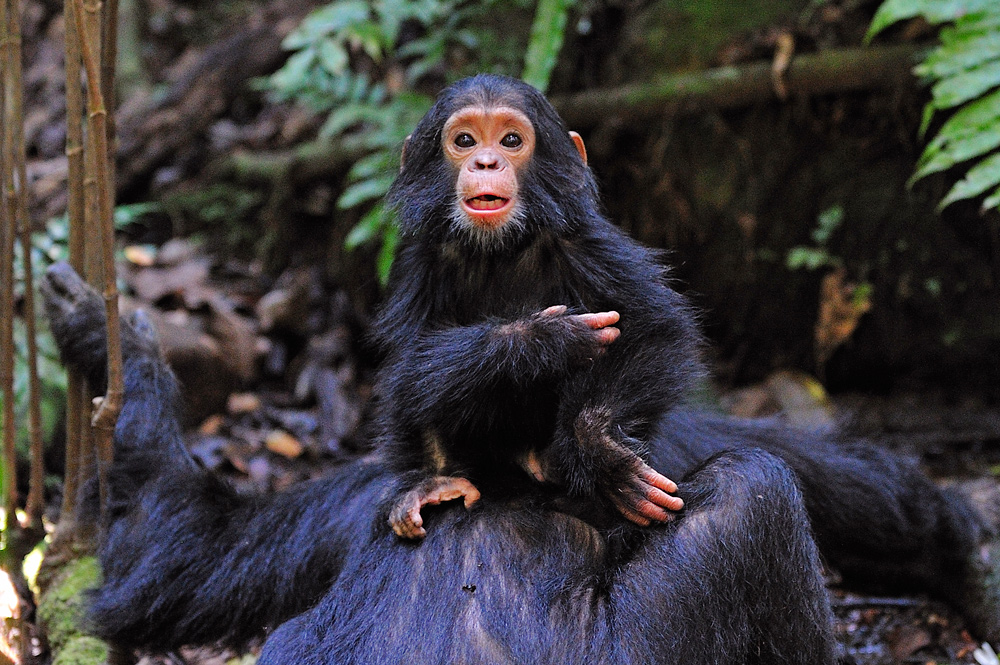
point(487, 202)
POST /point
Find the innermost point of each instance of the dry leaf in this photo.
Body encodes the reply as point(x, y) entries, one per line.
point(140, 255)
point(242, 403)
point(211, 425)
point(282, 443)
point(842, 304)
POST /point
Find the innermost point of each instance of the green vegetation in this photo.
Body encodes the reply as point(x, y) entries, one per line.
point(964, 72)
point(62, 607)
point(366, 64)
point(48, 247)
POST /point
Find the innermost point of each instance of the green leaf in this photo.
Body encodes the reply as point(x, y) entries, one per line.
point(373, 164)
point(366, 190)
point(934, 11)
point(294, 72)
point(332, 56)
point(959, 149)
point(133, 213)
point(810, 258)
point(980, 21)
point(369, 37)
point(960, 51)
point(390, 240)
point(972, 131)
point(345, 117)
point(367, 229)
point(992, 201)
point(547, 33)
point(326, 20)
point(827, 222)
point(981, 177)
point(966, 85)
point(925, 120)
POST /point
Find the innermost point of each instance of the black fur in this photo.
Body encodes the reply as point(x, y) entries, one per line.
point(470, 361)
point(187, 560)
point(523, 576)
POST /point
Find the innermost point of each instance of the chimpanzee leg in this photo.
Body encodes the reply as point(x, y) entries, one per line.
point(878, 519)
point(738, 579)
point(185, 559)
point(735, 580)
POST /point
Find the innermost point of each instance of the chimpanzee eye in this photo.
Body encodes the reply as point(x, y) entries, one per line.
point(512, 140)
point(464, 140)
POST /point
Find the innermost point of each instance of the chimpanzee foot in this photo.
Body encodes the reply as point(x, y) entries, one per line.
point(76, 317)
point(405, 516)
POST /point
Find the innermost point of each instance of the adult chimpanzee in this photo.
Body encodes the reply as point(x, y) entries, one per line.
point(490, 377)
point(187, 560)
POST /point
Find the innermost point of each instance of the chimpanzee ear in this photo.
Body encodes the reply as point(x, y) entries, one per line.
point(402, 157)
point(580, 147)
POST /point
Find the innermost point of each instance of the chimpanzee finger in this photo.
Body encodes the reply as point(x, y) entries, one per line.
point(407, 524)
point(606, 336)
point(652, 477)
point(629, 514)
point(660, 498)
point(471, 496)
point(647, 508)
point(555, 310)
point(598, 320)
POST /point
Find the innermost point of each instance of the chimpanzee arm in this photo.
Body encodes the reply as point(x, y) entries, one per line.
point(606, 411)
point(185, 558)
point(443, 371)
point(439, 371)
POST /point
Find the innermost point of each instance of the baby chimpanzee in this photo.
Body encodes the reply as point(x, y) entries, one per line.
point(525, 331)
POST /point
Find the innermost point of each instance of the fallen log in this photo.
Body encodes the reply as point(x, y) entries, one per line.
point(826, 72)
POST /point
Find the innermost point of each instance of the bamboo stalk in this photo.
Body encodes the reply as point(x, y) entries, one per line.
point(7, 235)
point(15, 96)
point(77, 399)
point(110, 406)
point(109, 59)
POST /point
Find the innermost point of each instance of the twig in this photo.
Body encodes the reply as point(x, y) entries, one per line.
point(868, 602)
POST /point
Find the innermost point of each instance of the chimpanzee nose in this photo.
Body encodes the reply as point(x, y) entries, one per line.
point(487, 159)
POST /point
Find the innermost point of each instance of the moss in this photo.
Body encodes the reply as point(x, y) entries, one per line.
point(82, 650)
point(63, 605)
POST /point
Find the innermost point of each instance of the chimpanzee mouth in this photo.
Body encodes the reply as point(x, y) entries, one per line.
point(486, 202)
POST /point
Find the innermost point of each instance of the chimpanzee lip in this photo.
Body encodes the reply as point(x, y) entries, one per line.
point(486, 202)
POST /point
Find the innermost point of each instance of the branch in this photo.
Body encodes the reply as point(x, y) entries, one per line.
point(833, 71)
point(8, 232)
point(304, 163)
